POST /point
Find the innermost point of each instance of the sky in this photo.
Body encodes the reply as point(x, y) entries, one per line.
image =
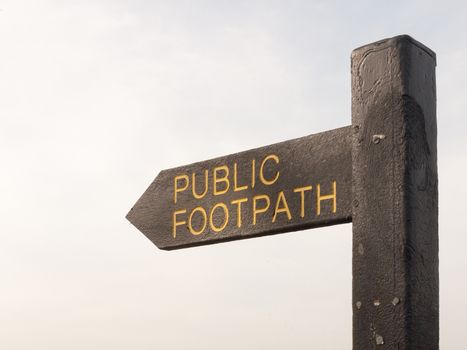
point(96, 97)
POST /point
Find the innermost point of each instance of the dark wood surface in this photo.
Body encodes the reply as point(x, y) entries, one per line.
point(318, 161)
point(395, 205)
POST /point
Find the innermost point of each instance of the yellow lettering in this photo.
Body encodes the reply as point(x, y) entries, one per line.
point(205, 219)
point(302, 190)
point(320, 198)
point(257, 210)
point(284, 209)
point(226, 217)
point(193, 186)
point(253, 171)
point(177, 223)
point(176, 188)
point(261, 174)
point(239, 209)
point(218, 179)
point(236, 188)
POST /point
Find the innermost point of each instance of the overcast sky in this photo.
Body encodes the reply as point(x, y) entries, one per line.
point(96, 97)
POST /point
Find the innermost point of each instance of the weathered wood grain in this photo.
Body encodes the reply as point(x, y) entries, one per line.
point(395, 204)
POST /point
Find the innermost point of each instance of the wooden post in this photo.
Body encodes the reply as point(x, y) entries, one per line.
point(395, 196)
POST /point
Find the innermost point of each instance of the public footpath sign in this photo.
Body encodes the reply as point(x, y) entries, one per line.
point(288, 186)
point(380, 173)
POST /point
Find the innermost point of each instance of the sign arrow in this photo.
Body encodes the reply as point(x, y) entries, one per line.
point(288, 186)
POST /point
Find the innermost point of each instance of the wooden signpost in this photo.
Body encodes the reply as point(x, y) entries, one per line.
point(380, 173)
